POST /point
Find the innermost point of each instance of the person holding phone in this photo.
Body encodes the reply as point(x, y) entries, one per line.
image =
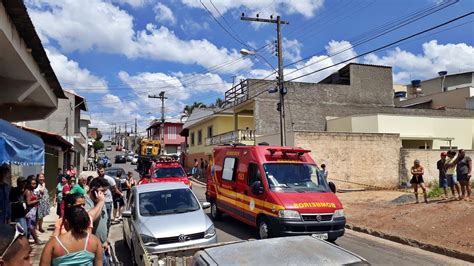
point(95, 200)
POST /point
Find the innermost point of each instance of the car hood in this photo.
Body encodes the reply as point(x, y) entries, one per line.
point(309, 202)
point(174, 224)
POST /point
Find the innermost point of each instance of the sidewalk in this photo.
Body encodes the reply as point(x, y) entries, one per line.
point(48, 226)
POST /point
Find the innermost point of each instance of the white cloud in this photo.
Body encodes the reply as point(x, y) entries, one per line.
point(100, 26)
point(306, 8)
point(435, 57)
point(106, 28)
point(72, 76)
point(291, 49)
point(163, 44)
point(133, 3)
point(164, 14)
point(190, 26)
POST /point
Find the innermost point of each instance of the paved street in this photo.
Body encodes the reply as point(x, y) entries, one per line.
point(377, 251)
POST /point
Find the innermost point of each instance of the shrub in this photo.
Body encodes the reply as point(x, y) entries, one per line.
point(435, 190)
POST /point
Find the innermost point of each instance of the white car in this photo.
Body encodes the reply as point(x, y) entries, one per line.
point(134, 159)
point(165, 215)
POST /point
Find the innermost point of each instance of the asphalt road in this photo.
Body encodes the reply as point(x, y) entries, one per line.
point(375, 250)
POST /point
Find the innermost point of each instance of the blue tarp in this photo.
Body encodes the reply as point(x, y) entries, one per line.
point(18, 146)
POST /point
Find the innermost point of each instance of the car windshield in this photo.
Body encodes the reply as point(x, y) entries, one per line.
point(113, 173)
point(294, 177)
point(169, 172)
point(167, 202)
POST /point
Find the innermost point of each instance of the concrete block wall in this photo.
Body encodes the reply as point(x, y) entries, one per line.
point(428, 159)
point(370, 159)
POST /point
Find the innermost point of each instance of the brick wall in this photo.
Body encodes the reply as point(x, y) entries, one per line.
point(371, 159)
point(428, 159)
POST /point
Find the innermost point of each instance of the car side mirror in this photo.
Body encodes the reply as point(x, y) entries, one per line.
point(257, 188)
point(332, 186)
point(206, 205)
point(127, 214)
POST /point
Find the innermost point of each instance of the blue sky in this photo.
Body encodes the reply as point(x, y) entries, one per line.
point(116, 52)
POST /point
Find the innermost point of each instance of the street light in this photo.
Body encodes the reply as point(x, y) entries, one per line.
point(246, 52)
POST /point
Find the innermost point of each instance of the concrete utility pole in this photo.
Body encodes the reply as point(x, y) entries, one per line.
point(162, 97)
point(280, 80)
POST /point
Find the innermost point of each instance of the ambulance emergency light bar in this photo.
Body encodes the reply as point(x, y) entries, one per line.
point(286, 151)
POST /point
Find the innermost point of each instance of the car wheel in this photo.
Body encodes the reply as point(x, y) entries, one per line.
point(264, 230)
point(215, 213)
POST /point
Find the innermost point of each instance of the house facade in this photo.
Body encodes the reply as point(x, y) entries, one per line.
point(66, 122)
point(171, 138)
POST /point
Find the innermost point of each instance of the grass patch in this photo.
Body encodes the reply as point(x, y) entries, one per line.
point(435, 191)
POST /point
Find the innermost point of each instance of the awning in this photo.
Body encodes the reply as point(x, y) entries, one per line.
point(19, 147)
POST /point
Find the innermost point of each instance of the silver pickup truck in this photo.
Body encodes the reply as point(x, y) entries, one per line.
point(296, 250)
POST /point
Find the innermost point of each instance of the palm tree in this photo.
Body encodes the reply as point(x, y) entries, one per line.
point(188, 109)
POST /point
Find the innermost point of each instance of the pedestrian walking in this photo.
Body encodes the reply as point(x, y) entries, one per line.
point(95, 200)
point(201, 169)
point(118, 198)
point(32, 202)
point(5, 208)
point(195, 170)
point(76, 246)
point(464, 171)
point(129, 184)
point(417, 180)
point(111, 188)
point(443, 181)
point(450, 166)
point(323, 172)
point(14, 247)
point(44, 205)
point(58, 197)
point(80, 187)
point(71, 200)
point(18, 204)
point(71, 171)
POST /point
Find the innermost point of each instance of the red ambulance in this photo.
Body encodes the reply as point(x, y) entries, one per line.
point(275, 189)
point(168, 171)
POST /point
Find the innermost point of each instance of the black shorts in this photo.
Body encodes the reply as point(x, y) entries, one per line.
point(118, 202)
point(463, 178)
point(417, 180)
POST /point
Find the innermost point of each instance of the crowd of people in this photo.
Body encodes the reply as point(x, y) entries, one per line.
point(85, 216)
point(455, 170)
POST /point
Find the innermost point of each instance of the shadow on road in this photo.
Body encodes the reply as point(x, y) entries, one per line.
point(235, 228)
point(122, 253)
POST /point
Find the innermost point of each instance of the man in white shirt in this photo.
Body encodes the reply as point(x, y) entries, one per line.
point(108, 194)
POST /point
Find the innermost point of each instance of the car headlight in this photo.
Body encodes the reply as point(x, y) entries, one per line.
point(149, 240)
point(339, 213)
point(210, 232)
point(289, 214)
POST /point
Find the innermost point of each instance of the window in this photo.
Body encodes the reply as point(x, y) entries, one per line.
point(253, 174)
point(171, 132)
point(228, 172)
point(209, 132)
point(199, 137)
point(191, 136)
point(165, 202)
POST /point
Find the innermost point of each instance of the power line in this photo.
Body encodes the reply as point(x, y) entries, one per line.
point(393, 26)
point(385, 46)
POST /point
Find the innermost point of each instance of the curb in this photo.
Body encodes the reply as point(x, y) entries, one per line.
point(198, 182)
point(414, 243)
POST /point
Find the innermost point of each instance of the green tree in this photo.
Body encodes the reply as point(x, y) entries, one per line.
point(188, 109)
point(98, 145)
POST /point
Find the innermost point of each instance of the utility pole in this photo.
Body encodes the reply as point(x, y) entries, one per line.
point(280, 80)
point(162, 97)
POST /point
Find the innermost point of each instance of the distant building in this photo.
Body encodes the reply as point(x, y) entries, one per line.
point(92, 132)
point(66, 122)
point(172, 140)
point(449, 91)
